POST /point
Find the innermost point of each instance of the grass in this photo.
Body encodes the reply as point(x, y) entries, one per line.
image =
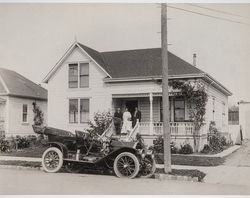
point(176, 159)
point(191, 160)
point(185, 172)
point(36, 151)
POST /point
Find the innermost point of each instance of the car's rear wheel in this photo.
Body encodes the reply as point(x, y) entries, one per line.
point(126, 165)
point(52, 160)
point(148, 167)
point(72, 167)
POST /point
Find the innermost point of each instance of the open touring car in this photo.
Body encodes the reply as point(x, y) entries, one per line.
point(126, 156)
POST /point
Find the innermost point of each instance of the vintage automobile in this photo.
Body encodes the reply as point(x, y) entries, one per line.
point(125, 155)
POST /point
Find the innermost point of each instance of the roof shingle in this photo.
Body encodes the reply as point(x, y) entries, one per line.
point(20, 86)
point(139, 63)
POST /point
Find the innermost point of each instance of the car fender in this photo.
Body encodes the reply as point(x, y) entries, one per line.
point(60, 146)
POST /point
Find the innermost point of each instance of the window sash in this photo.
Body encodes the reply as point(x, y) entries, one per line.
point(73, 111)
point(84, 110)
point(73, 75)
point(25, 113)
point(179, 110)
point(78, 110)
point(84, 75)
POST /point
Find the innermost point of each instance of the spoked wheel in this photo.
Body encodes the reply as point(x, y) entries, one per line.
point(72, 167)
point(126, 165)
point(148, 167)
point(52, 160)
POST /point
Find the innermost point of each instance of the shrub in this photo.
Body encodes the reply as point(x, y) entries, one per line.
point(22, 142)
point(101, 123)
point(206, 149)
point(186, 149)
point(4, 145)
point(158, 146)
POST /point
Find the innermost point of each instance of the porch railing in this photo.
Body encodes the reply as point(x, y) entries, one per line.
point(176, 128)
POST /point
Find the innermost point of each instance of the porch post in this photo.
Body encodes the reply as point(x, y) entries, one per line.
point(151, 114)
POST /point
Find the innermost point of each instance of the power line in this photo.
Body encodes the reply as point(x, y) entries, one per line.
point(218, 11)
point(211, 16)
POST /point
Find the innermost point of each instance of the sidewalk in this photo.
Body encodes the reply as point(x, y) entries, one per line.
point(26, 159)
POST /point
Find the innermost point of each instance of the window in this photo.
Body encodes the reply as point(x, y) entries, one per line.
point(84, 110)
point(25, 113)
point(74, 113)
point(84, 75)
point(73, 110)
point(179, 110)
point(79, 75)
point(73, 75)
point(161, 110)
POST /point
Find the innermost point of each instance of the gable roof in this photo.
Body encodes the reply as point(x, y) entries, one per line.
point(14, 84)
point(137, 64)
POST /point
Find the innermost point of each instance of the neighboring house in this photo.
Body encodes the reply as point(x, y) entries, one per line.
point(85, 81)
point(17, 94)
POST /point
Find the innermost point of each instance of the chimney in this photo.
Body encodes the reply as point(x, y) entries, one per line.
point(194, 60)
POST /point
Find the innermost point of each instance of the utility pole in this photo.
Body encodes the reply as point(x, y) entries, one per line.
point(165, 98)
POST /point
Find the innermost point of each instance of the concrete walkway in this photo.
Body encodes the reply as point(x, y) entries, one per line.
point(26, 159)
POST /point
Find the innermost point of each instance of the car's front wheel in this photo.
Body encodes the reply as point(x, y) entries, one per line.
point(126, 165)
point(148, 167)
point(52, 160)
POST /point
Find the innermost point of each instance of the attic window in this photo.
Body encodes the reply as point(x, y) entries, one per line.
point(73, 75)
point(78, 75)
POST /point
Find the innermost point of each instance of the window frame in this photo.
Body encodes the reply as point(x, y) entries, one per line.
point(78, 63)
point(25, 113)
point(78, 121)
point(184, 109)
point(80, 75)
point(77, 82)
point(80, 118)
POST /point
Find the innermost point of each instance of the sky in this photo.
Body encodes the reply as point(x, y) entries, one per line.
point(33, 37)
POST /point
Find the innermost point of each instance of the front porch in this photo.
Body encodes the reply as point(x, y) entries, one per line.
point(151, 126)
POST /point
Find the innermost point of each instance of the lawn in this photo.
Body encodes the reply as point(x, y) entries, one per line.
point(189, 160)
point(176, 159)
point(27, 152)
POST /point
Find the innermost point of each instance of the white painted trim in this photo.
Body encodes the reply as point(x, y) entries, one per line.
point(4, 85)
point(58, 64)
point(94, 61)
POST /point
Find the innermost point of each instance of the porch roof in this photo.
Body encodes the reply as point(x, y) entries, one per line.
point(138, 95)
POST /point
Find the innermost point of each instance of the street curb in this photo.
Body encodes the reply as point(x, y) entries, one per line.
point(20, 167)
point(162, 177)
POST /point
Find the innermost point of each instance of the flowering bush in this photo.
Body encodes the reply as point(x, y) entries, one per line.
point(101, 123)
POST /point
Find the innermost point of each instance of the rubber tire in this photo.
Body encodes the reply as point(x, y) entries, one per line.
point(153, 169)
point(60, 160)
point(136, 161)
point(73, 169)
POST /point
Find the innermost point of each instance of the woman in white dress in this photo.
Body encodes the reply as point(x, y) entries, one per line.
point(127, 122)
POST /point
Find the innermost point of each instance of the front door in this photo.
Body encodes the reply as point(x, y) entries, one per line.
point(131, 104)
